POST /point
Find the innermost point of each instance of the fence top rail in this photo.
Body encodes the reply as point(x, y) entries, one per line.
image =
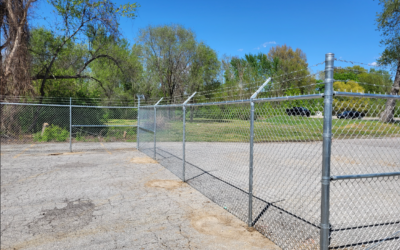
point(355, 94)
point(287, 98)
point(64, 105)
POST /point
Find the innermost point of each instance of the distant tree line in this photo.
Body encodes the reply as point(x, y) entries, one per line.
point(84, 55)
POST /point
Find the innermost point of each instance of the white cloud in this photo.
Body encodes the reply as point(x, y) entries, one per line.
point(257, 48)
point(240, 49)
point(373, 64)
point(266, 43)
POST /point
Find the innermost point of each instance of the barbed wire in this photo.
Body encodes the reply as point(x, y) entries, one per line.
point(298, 78)
point(360, 72)
point(353, 62)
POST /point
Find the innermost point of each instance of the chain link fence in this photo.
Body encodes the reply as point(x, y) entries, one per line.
point(264, 161)
point(316, 171)
point(364, 211)
point(287, 155)
point(71, 126)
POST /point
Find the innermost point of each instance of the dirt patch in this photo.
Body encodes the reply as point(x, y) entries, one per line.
point(69, 153)
point(227, 229)
point(76, 165)
point(143, 160)
point(74, 216)
point(165, 184)
point(389, 164)
point(346, 160)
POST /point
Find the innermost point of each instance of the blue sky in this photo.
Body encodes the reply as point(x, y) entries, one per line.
point(344, 27)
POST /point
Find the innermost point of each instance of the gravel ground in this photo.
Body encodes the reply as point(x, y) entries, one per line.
point(107, 196)
point(286, 206)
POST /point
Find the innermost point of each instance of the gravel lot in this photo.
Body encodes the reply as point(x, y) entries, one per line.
point(107, 196)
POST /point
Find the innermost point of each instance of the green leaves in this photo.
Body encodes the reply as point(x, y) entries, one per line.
point(175, 62)
point(388, 22)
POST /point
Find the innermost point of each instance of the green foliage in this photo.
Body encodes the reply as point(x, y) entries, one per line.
point(291, 70)
point(43, 45)
point(52, 133)
point(341, 104)
point(374, 81)
point(168, 50)
point(388, 22)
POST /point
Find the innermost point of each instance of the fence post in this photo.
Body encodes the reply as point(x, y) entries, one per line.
point(184, 136)
point(155, 127)
point(138, 123)
point(250, 212)
point(326, 152)
point(250, 219)
point(70, 124)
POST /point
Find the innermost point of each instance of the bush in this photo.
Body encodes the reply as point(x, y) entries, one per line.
point(52, 133)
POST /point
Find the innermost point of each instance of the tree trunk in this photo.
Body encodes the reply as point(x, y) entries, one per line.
point(388, 114)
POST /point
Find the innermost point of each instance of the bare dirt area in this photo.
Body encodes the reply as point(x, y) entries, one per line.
point(111, 197)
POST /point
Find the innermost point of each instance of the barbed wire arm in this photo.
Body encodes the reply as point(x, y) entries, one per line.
point(190, 97)
point(260, 88)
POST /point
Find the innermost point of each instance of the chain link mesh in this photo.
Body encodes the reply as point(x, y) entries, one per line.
point(214, 159)
point(169, 139)
point(91, 126)
point(287, 171)
point(364, 211)
point(217, 154)
point(286, 204)
point(32, 124)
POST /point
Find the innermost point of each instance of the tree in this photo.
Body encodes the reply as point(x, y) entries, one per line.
point(373, 81)
point(15, 69)
point(175, 62)
point(42, 45)
point(113, 82)
point(388, 22)
point(292, 69)
point(84, 19)
point(248, 73)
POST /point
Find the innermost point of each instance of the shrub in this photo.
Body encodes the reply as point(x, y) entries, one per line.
point(52, 133)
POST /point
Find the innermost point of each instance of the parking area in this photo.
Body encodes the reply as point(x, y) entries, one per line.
point(109, 197)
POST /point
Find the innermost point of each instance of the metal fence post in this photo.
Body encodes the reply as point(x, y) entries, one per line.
point(250, 212)
point(184, 141)
point(70, 124)
point(326, 152)
point(184, 136)
point(250, 219)
point(138, 124)
point(155, 127)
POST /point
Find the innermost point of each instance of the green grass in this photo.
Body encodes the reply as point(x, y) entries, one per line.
point(278, 128)
point(121, 122)
point(266, 129)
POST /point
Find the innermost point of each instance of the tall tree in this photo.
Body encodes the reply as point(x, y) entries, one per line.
point(388, 22)
point(292, 69)
point(83, 20)
point(175, 62)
